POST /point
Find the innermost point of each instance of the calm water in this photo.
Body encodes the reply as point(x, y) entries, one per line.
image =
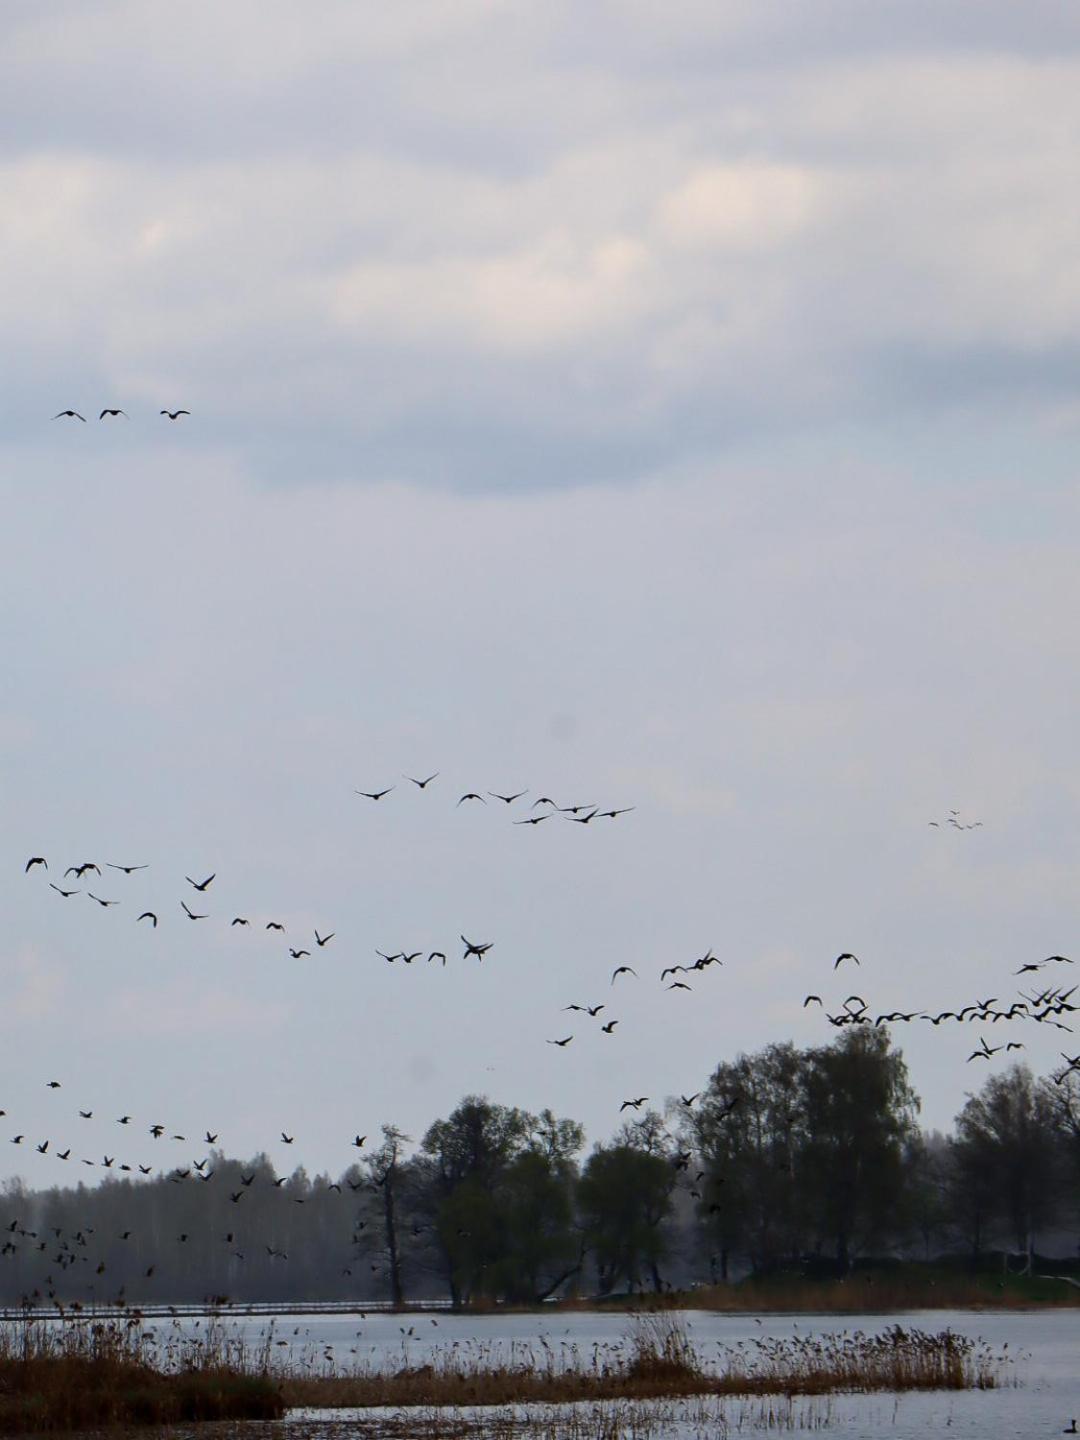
point(1046, 1346)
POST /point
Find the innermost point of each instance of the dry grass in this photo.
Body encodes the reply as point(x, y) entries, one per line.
point(79, 1374)
point(657, 1360)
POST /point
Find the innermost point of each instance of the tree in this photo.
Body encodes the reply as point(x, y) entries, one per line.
point(384, 1170)
point(1006, 1142)
point(502, 1184)
point(860, 1113)
point(624, 1196)
point(749, 1129)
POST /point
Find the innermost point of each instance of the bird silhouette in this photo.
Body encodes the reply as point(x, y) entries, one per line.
point(561, 1043)
point(103, 903)
point(239, 920)
point(274, 925)
point(298, 954)
point(622, 970)
point(507, 799)
point(80, 870)
point(113, 413)
point(149, 915)
point(35, 860)
point(67, 894)
point(633, 1104)
point(201, 885)
point(375, 794)
point(421, 784)
point(322, 940)
point(609, 1027)
point(479, 949)
point(174, 414)
point(127, 869)
point(847, 955)
point(611, 814)
point(70, 415)
point(191, 913)
point(472, 795)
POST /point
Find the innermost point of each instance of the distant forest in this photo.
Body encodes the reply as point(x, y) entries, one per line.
point(802, 1160)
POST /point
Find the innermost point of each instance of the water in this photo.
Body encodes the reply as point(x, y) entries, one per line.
point(1045, 1345)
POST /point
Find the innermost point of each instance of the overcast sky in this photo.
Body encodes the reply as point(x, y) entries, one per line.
point(658, 406)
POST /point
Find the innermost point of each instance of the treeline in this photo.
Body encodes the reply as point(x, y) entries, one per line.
point(801, 1159)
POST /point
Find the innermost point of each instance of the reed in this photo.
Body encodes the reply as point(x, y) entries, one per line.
point(78, 1374)
point(655, 1359)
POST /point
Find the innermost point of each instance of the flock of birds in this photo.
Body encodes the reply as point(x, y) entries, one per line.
point(114, 412)
point(576, 814)
point(1042, 1006)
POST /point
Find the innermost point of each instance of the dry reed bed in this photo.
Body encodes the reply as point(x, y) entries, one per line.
point(80, 1374)
point(657, 1359)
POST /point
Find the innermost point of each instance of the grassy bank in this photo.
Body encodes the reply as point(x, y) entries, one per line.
point(870, 1291)
point(88, 1376)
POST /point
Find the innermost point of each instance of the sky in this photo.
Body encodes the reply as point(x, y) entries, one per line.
point(668, 407)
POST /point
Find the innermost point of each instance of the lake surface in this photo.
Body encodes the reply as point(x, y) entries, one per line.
point(1045, 1345)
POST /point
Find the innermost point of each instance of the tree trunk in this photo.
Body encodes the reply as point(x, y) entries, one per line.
point(397, 1293)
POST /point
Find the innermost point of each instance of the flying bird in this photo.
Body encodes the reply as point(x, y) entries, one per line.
point(478, 949)
point(190, 913)
point(609, 1027)
point(322, 940)
point(633, 1104)
point(561, 1042)
point(67, 894)
point(611, 814)
point(622, 970)
point(239, 920)
point(472, 795)
point(70, 415)
point(810, 998)
point(847, 955)
point(127, 869)
point(113, 413)
point(298, 954)
point(149, 915)
point(421, 784)
point(80, 870)
point(201, 885)
point(35, 860)
point(375, 794)
point(274, 925)
point(507, 799)
point(174, 414)
point(103, 903)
